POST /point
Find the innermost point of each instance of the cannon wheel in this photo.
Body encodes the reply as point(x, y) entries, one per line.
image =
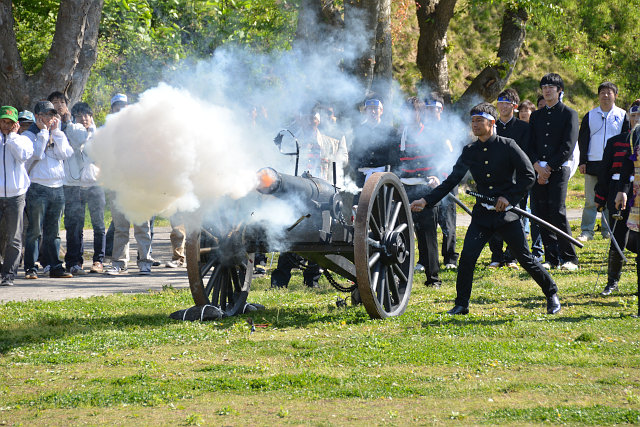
point(384, 246)
point(214, 279)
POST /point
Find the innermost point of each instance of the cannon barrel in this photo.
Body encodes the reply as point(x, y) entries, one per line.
point(304, 187)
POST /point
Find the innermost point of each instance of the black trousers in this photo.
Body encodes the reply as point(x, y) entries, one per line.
point(497, 242)
point(549, 200)
point(286, 262)
point(425, 224)
point(477, 237)
point(447, 222)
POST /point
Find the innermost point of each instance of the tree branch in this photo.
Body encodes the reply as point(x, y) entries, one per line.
point(12, 76)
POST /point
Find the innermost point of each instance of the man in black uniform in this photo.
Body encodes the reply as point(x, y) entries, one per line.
point(554, 133)
point(418, 157)
point(374, 144)
point(503, 171)
point(509, 126)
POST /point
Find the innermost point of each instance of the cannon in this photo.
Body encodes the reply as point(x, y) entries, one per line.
point(375, 249)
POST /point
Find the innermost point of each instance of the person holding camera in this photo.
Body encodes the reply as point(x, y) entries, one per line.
point(45, 197)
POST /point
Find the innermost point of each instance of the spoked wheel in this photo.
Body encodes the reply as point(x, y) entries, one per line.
point(384, 246)
point(219, 268)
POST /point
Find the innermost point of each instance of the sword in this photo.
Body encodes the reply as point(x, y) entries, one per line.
point(614, 242)
point(532, 217)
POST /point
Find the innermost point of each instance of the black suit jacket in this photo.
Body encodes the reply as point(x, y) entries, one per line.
point(554, 133)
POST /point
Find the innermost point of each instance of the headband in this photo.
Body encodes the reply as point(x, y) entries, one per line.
point(433, 104)
point(504, 99)
point(485, 115)
point(634, 109)
point(372, 103)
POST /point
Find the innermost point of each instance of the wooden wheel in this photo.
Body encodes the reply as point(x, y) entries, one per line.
point(384, 246)
point(219, 269)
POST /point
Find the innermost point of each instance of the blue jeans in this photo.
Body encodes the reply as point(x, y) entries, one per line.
point(590, 212)
point(44, 208)
point(75, 199)
point(11, 210)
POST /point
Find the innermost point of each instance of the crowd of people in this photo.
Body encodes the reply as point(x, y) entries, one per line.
point(519, 154)
point(45, 173)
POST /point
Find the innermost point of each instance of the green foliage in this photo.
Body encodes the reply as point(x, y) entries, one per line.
point(35, 24)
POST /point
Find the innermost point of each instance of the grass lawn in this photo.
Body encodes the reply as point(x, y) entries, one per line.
point(121, 360)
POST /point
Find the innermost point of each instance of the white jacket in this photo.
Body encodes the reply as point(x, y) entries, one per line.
point(603, 126)
point(45, 167)
point(15, 151)
point(79, 170)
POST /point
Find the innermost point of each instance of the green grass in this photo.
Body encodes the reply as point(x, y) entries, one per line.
point(121, 360)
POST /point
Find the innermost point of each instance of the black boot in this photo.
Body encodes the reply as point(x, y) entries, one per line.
point(553, 304)
point(614, 271)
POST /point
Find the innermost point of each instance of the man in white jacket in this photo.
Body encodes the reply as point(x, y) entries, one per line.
point(45, 198)
point(14, 182)
point(80, 189)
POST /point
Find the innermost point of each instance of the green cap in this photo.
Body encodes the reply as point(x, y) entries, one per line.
point(8, 112)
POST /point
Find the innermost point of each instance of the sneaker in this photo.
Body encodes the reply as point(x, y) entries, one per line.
point(174, 263)
point(494, 264)
point(450, 267)
point(60, 274)
point(569, 266)
point(434, 284)
point(46, 269)
point(154, 262)
point(77, 270)
point(115, 270)
point(97, 267)
point(6, 281)
point(548, 266)
point(583, 237)
point(419, 267)
point(513, 266)
point(259, 270)
point(145, 270)
point(31, 274)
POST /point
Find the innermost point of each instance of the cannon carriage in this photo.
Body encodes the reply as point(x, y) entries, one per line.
point(374, 249)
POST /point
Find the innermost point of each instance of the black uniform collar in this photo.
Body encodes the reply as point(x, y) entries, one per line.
point(488, 141)
point(511, 121)
point(555, 107)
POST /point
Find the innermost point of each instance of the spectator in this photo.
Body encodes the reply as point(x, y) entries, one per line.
point(509, 127)
point(597, 127)
point(45, 197)
point(525, 109)
point(14, 182)
point(554, 133)
point(60, 103)
point(178, 238)
point(80, 190)
point(26, 119)
point(118, 102)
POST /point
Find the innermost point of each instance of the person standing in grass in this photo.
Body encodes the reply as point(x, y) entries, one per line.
point(503, 171)
point(554, 133)
point(616, 153)
point(598, 126)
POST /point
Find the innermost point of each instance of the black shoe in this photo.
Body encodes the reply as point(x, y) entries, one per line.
point(609, 289)
point(458, 309)
point(6, 281)
point(259, 270)
point(60, 274)
point(553, 304)
point(434, 285)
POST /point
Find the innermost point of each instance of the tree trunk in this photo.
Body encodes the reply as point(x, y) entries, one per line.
point(70, 58)
point(361, 23)
point(492, 80)
point(433, 21)
point(319, 22)
point(383, 66)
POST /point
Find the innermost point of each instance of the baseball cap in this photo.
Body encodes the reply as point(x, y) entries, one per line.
point(26, 116)
point(9, 112)
point(119, 97)
point(44, 107)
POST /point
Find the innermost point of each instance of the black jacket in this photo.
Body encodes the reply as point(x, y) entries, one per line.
point(554, 133)
point(373, 147)
point(517, 130)
point(499, 168)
